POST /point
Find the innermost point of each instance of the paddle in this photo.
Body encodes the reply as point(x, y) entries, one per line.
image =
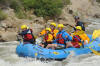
point(18, 38)
point(69, 25)
point(96, 34)
point(95, 52)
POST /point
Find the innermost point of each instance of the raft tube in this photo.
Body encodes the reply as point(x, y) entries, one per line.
point(36, 51)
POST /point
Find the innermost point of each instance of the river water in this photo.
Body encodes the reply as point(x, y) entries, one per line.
point(8, 57)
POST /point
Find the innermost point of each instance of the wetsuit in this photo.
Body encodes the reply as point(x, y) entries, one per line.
point(79, 23)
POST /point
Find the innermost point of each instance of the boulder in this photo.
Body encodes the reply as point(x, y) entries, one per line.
point(8, 36)
point(97, 15)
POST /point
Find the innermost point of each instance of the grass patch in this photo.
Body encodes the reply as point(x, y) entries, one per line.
point(20, 14)
point(2, 15)
point(18, 8)
point(66, 2)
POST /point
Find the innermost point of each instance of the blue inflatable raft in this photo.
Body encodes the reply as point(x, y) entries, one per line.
point(35, 51)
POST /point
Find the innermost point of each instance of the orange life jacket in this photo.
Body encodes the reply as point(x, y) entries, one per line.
point(48, 37)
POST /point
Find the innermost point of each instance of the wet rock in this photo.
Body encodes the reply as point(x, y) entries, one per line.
point(39, 20)
point(84, 8)
point(8, 36)
point(66, 18)
point(97, 16)
point(2, 40)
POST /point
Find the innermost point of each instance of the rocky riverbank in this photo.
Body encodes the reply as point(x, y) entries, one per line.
point(83, 8)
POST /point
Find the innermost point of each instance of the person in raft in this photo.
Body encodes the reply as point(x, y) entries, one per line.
point(54, 31)
point(79, 23)
point(48, 38)
point(79, 37)
point(62, 38)
point(27, 34)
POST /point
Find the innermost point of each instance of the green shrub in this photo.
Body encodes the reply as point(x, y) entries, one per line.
point(98, 1)
point(28, 4)
point(18, 8)
point(48, 8)
point(2, 1)
point(66, 2)
point(2, 15)
point(21, 14)
point(42, 8)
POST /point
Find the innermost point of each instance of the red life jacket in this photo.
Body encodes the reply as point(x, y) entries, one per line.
point(53, 34)
point(28, 36)
point(60, 39)
point(52, 30)
point(76, 44)
point(46, 37)
point(76, 40)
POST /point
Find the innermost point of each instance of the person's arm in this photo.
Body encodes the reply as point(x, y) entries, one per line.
point(67, 36)
point(83, 27)
point(23, 32)
point(80, 24)
point(43, 32)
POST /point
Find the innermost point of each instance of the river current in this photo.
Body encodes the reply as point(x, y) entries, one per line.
point(8, 57)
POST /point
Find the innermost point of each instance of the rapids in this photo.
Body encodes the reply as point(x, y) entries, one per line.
point(8, 57)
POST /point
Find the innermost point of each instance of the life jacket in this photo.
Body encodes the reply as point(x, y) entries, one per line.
point(42, 32)
point(60, 39)
point(48, 38)
point(76, 41)
point(76, 38)
point(82, 35)
point(55, 31)
point(53, 34)
point(76, 44)
point(29, 35)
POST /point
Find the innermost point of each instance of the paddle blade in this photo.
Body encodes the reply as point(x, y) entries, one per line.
point(95, 52)
point(96, 34)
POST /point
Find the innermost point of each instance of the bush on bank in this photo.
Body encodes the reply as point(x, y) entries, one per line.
point(42, 8)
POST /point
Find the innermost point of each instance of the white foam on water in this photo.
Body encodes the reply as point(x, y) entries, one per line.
point(95, 24)
point(89, 61)
point(11, 59)
point(8, 57)
point(28, 62)
point(74, 61)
